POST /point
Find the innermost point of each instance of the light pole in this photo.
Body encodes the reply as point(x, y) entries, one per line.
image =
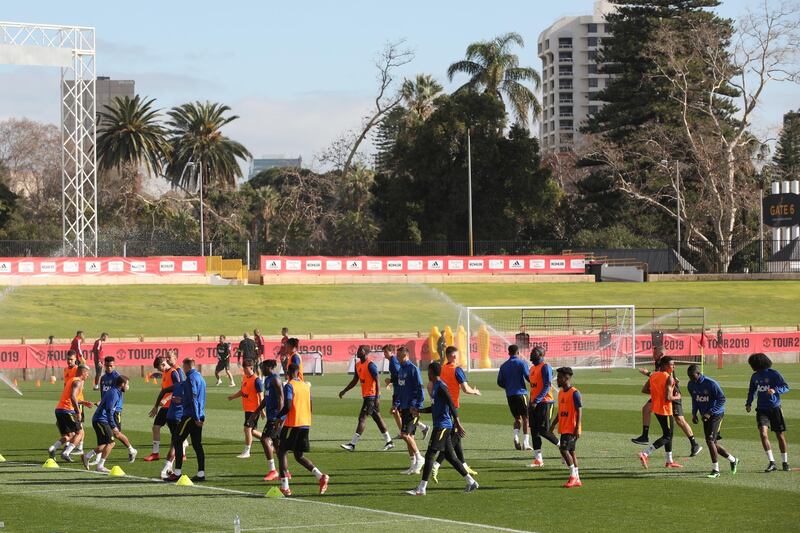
point(202, 234)
point(469, 191)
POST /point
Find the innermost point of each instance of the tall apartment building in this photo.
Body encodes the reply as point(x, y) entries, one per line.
point(570, 79)
point(108, 89)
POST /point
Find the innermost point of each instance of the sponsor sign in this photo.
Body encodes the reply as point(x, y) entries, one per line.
point(100, 266)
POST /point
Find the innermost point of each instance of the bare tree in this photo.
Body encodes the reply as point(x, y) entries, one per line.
point(31, 153)
point(716, 84)
point(394, 55)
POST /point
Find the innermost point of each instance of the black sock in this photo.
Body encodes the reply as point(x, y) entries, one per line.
point(692, 441)
point(645, 431)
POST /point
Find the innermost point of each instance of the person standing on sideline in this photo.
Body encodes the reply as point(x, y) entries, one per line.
point(97, 355)
point(709, 400)
point(192, 396)
point(75, 346)
point(223, 350)
point(512, 376)
point(251, 394)
point(246, 351)
point(261, 346)
point(768, 385)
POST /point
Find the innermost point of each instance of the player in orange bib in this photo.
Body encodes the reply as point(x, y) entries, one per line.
point(366, 372)
point(171, 376)
point(73, 361)
point(68, 411)
point(540, 406)
point(570, 414)
point(661, 388)
point(294, 435)
point(251, 393)
point(293, 357)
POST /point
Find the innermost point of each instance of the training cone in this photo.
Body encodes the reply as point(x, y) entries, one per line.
point(274, 492)
point(184, 481)
point(53, 380)
point(116, 471)
point(2, 459)
point(15, 382)
point(38, 382)
point(50, 463)
point(147, 378)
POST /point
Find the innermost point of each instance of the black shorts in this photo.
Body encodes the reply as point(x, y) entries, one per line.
point(118, 420)
point(677, 408)
point(105, 435)
point(247, 422)
point(272, 429)
point(567, 442)
point(772, 417)
point(294, 440)
point(67, 423)
point(539, 417)
point(223, 365)
point(440, 438)
point(408, 422)
point(518, 405)
point(161, 417)
point(711, 427)
point(369, 407)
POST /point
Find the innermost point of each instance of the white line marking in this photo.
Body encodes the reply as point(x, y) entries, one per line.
point(298, 500)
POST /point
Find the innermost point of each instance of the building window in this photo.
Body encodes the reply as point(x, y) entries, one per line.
point(593, 96)
point(591, 28)
point(592, 55)
point(565, 57)
point(565, 70)
point(565, 42)
point(547, 44)
point(565, 111)
point(566, 125)
point(565, 84)
point(593, 82)
point(591, 41)
point(592, 68)
point(565, 98)
point(593, 109)
point(540, 48)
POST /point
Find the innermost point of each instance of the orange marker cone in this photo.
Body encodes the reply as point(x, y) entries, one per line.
point(38, 383)
point(15, 382)
point(147, 378)
point(52, 380)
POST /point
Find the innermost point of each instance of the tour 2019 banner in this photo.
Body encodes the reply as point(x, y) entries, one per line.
point(343, 350)
point(444, 264)
point(101, 266)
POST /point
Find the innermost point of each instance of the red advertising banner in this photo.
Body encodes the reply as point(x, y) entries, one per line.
point(445, 264)
point(101, 266)
point(338, 350)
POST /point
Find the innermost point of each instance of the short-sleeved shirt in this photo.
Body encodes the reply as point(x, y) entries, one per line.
point(223, 351)
point(248, 349)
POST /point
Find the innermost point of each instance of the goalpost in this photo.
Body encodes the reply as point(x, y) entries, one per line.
point(602, 336)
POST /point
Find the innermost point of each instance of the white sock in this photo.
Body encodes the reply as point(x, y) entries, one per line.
point(770, 456)
point(413, 459)
point(69, 448)
point(185, 445)
point(167, 468)
point(422, 486)
point(785, 457)
point(423, 427)
point(732, 459)
point(355, 438)
point(284, 483)
point(80, 447)
point(131, 449)
point(577, 474)
point(156, 446)
point(419, 459)
point(177, 471)
point(201, 473)
point(469, 479)
point(669, 457)
point(573, 471)
point(537, 454)
point(465, 465)
point(715, 467)
point(387, 437)
point(246, 448)
point(526, 440)
point(102, 462)
point(650, 449)
point(56, 446)
point(436, 465)
point(516, 435)
point(317, 473)
point(271, 465)
point(90, 454)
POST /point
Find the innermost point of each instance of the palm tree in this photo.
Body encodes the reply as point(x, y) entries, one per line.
point(195, 136)
point(494, 69)
point(130, 136)
point(419, 95)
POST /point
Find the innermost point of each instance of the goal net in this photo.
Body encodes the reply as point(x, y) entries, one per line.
point(680, 332)
point(580, 337)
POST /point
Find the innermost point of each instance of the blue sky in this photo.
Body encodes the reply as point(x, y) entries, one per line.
point(298, 73)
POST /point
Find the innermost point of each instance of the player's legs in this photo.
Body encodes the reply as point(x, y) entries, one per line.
point(782, 443)
point(397, 419)
point(378, 419)
point(197, 444)
point(248, 436)
point(763, 432)
point(303, 461)
point(180, 437)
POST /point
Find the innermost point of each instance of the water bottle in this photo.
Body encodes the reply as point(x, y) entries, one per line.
point(237, 525)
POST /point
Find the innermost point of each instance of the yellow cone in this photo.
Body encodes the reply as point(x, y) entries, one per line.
point(2, 459)
point(50, 463)
point(116, 471)
point(274, 492)
point(184, 481)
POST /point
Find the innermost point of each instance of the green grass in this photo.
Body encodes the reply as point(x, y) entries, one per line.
point(617, 494)
point(36, 312)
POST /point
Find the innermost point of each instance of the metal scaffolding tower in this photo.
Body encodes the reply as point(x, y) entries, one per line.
point(72, 48)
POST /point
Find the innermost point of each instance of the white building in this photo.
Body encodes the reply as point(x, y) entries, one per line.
point(570, 80)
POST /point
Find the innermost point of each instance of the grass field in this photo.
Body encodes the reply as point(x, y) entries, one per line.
point(366, 490)
point(37, 312)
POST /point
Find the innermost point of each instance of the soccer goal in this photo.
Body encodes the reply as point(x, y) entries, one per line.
point(680, 332)
point(581, 337)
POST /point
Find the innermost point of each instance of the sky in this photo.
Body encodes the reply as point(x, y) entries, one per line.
point(297, 73)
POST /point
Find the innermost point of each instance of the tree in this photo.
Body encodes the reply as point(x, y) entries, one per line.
point(30, 152)
point(194, 135)
point(130, 134)
point(419, 96)
point(495, 70)
point(787, 156)
point(715, 85)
